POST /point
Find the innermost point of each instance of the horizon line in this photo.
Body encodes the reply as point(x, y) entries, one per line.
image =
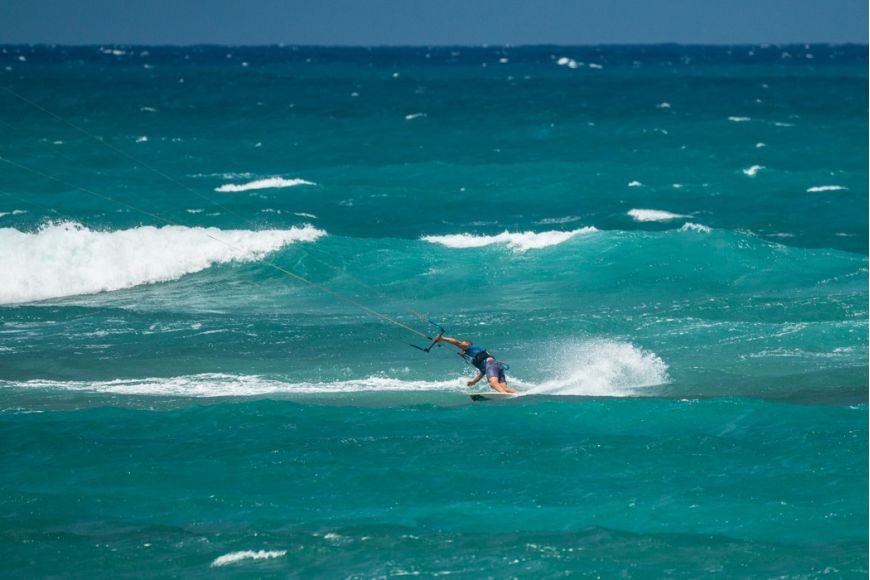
point(430, 46)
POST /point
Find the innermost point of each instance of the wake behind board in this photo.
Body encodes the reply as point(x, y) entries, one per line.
point(493, 396)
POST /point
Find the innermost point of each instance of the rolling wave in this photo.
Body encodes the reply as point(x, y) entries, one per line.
point(68, 259)
point(518, 241)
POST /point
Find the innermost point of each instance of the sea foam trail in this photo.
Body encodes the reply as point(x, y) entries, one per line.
point(227, 385)
point(653, 215)
point(66, 259)
point(592, 368)
point(518, 241)
point(269, 183)
point(601, 368)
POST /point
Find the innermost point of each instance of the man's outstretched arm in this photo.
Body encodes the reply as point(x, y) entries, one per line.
point(475, 380)
point(462, 344)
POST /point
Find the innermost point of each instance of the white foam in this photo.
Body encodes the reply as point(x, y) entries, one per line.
point(305, 215)
point(66, 259)
point(518, 241)
point(739, 119)
point(597, 367)
point(653, 215)
point(234, 557)
point(226, 385)
point(148, 109)
point(142, 139)
point(663, 106)
point(414, 116)
point(269, 183)
point(753, 171)
point(602, 368)
point(635, 184)
point(690, 227)
point(13, 212)
point(569, 62)
point(558, 221)
point(819, 188)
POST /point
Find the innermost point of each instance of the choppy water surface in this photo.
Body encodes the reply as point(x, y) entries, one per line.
point(667, 244)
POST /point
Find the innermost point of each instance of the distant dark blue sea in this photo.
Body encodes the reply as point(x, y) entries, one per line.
point(213, 261)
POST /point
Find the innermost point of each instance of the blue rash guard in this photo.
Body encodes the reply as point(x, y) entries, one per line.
point(473, 352)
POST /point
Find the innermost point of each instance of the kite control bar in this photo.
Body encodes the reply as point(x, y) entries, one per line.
point(434, 340)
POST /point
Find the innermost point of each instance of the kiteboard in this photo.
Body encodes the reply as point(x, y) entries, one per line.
point(493, 396)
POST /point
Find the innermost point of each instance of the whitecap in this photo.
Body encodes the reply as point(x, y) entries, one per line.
point(269, 183)
point(67, 259)
point(414, 116)
point(663, 106)
point(635, 184)
point(555, 221)
point(518, 241)
point(234, 557)
point(141, 139)
point(753, 171)
point(819, 188)
point(700, 228)
point(739, 119)
point(653, 215)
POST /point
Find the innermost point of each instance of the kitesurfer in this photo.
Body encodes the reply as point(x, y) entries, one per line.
point(481, 360)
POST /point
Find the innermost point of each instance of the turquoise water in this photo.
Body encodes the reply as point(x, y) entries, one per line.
point(667, 244)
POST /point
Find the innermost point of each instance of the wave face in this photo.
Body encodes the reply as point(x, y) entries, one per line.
point(67, 259)
point(692, 311)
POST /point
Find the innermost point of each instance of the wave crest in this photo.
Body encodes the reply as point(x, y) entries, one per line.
point(518, 241)
point(67, 259)
point(654, 215)
point(269, 183)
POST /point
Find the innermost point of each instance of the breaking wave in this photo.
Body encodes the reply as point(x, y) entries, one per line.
point(67, 259)
point(518, 241)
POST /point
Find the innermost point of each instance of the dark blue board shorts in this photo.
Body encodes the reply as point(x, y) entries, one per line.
point(495, 369)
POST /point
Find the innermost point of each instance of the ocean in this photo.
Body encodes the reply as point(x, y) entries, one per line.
point(214, 260)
